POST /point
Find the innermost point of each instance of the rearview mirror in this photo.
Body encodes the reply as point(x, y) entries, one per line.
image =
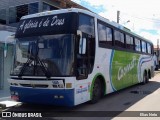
point(82, 46)
point(82, 43)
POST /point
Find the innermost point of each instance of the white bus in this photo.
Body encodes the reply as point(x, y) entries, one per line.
point(70, 56)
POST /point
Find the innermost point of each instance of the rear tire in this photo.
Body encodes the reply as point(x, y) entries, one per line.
point(97, 91)
point(145, 78)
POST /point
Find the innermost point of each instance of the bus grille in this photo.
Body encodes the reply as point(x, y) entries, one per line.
point(34, 85)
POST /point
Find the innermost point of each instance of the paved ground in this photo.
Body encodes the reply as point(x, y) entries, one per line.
point(150, 104)
point(142, 98)
point(4, 95)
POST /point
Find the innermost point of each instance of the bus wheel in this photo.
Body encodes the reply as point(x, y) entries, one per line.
point(97, 91)
point(145, 78)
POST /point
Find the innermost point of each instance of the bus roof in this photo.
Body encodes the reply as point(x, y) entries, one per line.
point(77, 10)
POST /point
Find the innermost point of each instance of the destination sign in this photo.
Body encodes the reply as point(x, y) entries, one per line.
point(65, 23)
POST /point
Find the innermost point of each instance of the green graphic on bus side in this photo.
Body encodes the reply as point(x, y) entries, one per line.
point(124, 69)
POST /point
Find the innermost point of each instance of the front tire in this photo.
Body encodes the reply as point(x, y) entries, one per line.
point(97, 91)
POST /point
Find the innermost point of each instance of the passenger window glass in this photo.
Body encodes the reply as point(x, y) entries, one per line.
point(129, 42)
point(149, 48)
point(144, 47)
point(137, 45)
point(109, 36)
point(119, 38)
point(122, 39)
point(104, 34)
point(132, 44)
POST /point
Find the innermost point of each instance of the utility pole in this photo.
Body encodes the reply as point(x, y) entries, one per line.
point(118, 16)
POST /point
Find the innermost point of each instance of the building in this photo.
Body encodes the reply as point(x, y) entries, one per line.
point(6, 56)
point(11, 12)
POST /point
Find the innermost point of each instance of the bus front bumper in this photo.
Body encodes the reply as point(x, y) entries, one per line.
point(60, 97)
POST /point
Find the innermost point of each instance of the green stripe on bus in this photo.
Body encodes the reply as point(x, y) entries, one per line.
point(124, 69)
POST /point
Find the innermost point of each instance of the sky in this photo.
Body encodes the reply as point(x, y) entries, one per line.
point(140, 16)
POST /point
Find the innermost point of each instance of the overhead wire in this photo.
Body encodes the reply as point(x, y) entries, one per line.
point(142, 18)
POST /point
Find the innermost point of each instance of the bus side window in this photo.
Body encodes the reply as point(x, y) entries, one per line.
point(132, 43)
point(128, 41)
point(137, 45)
point(119, 38)
point(104, 35)
point(149, 48)
point(109, 36)
point(144, 47)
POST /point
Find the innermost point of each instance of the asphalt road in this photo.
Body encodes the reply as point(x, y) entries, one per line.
point(142, 98)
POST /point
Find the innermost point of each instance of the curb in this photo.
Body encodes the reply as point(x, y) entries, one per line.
point(156, 72)
point(8, 104)
point(2, 106)
point(5, 98)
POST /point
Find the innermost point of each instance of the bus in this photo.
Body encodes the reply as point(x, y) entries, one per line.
point(70, 56)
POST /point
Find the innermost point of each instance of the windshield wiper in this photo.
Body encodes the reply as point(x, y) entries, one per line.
point(29, 61)
point(33, 56)
point(43, 66)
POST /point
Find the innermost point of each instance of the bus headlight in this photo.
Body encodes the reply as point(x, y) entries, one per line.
point(58, 84)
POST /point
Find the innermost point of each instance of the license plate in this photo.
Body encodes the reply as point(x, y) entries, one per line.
point(15, 98)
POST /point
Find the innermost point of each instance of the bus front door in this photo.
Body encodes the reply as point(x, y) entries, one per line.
point(82, 57)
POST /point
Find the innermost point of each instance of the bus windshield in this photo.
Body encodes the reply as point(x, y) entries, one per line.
point(48, 55)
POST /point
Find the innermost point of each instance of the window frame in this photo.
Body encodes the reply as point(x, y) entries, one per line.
point(133, 38)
